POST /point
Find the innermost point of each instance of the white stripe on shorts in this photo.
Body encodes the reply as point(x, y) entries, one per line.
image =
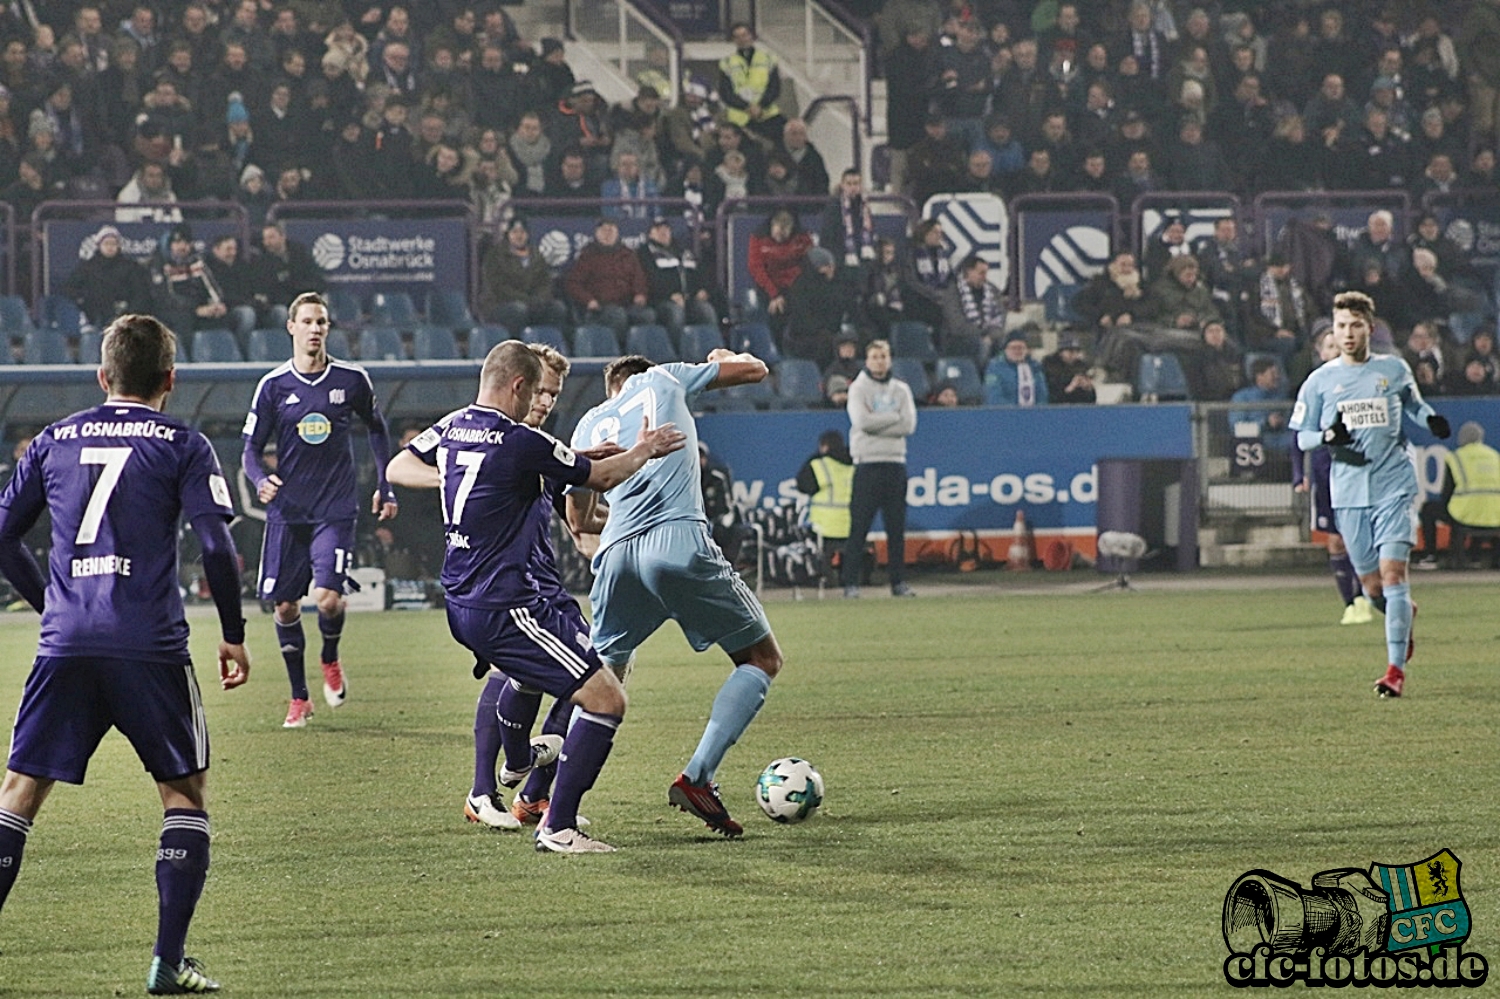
point(548, 642)
point(200, 721)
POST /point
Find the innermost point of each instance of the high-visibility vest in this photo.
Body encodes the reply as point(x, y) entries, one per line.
point(829, 510)
point(750, 80)
point(1475, 469)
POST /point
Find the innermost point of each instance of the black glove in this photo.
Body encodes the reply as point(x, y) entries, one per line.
point(1347, 455)
point(1439, 426)
point(1338, 435)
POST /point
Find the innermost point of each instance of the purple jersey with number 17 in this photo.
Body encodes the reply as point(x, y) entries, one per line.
point(116, 478)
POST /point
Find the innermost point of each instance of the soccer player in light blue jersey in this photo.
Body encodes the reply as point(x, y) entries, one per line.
point(113, 652)
point(657, 559)
point(1354, 405)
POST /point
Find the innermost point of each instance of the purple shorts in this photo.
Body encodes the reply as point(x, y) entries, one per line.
point(1322, 505)
point(71, 701)
point(296, 555)
point(544, 645)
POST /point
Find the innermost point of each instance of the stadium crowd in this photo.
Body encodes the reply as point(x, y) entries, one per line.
point(261, 102)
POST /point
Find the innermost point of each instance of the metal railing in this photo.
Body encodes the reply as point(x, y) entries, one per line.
point(824, 28)
point(624, 36)
point(1245, 460)
point(830, 144)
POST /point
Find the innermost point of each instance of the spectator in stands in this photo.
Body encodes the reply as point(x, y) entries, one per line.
point(846, 362)
point(107, 284)
point(149, 186)
point(781, 176)
point(1280, 322)
point(1007, 155)
point(1372, 157)
point(232, 276)
point(30, 188)
point(818, 306)
point(553, 76)
point(884, 292)
point(1227, 270)
point(498, 93)
point(731, 179)
point(1093, 174)
point(1067, 373)
point(1094, 126)
point(978, 178)
point(1331, 110)
point(489, 190)
point(637, 136)
point(580, 120)
point(1038, 177)
point(515, 283)
point(1424, 355)
point(1482, 170)
point(1481, 351)
point(1243, 127)
point(443, 176)
point(733, 139)
point(1012, 378)
point(1179, 298)
point(1112, 298)
point(245, 31)
point(1139, 177)
point(1377, 244)
point(811, 172)
point(348, 50)
point(775, 259)
point(1166, 243)
point(689, 128)
point(352, 170)
point(847, 229)
point(1215, 371)
point(606, 283)
point(926, 274)
point(1270, 424)
point(935, 162)
point(282, 270)
point(749, 84)
point(1438, 177)
point(1479, 54)
point(627, 185)
point(140, 28)
point(677, 288)
point(973, 313)
point(183, 291)
point(1194, 163)
point(912, 80)
point(964, 76)
point(530, 150)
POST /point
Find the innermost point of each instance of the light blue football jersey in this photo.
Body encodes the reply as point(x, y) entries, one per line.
point(1373, 397)
point(668, 488)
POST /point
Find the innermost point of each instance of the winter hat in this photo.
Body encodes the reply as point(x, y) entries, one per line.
point(237, 113)
point(251, 172)
point(1470, 433)
point(819, 257)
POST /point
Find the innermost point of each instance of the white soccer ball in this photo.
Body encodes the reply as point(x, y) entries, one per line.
point(789, 790)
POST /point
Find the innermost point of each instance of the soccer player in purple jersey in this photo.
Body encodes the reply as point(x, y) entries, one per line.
point(306, 407)
point(114, 641)
point(493, 470)
point(483, 803)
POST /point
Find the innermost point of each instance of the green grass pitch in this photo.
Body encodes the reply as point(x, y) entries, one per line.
point(1028, 793)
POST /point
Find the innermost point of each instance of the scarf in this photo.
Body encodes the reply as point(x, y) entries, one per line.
point(638, 209)
point(702, 119)
point(1275, 300)
point(933, 268)
point(1025, 385)
point(531, 157)
point(859, 234)
point(981, 307)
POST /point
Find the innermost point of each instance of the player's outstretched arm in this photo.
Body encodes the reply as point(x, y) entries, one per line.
point(406, 469)
point(736, 369)
point(657, 442)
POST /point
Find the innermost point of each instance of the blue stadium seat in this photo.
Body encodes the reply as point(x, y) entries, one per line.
point(1057, 300)
point(914, 373)
point(698, 340)
point(381, 343)
point(591, 340)
point(337, 344)
point(754, 338)
point(799, 383)
point(482, 338)
point(61, 313)
point(449, 307)
point(433, 343)
point(46, 346)
point(269, 346)
point(1159, 377)
point(549, 335)
point(392, 308)
point(14, 316)
point(216, 347)
point(89, 348)
point(913, 339)
point(760, 395)
point(343, 307)
point(964, 374)
point(652, 341)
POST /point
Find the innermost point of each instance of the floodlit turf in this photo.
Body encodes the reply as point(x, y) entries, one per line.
point(1026, 794)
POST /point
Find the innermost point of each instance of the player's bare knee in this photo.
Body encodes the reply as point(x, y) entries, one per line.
point(287, 613)
point(330, 602)
point(602, 694)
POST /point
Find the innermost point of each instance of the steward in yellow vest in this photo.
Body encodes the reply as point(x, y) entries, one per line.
point(1474, 480)
point(828, 477)
point(749, 84)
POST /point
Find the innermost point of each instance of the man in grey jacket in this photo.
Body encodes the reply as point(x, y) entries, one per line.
point(883, 414)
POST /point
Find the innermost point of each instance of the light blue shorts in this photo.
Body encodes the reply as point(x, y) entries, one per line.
point(1386, 530)
point(674, 571)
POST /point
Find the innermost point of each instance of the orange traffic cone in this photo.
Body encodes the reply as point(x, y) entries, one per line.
point(1019, 555)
